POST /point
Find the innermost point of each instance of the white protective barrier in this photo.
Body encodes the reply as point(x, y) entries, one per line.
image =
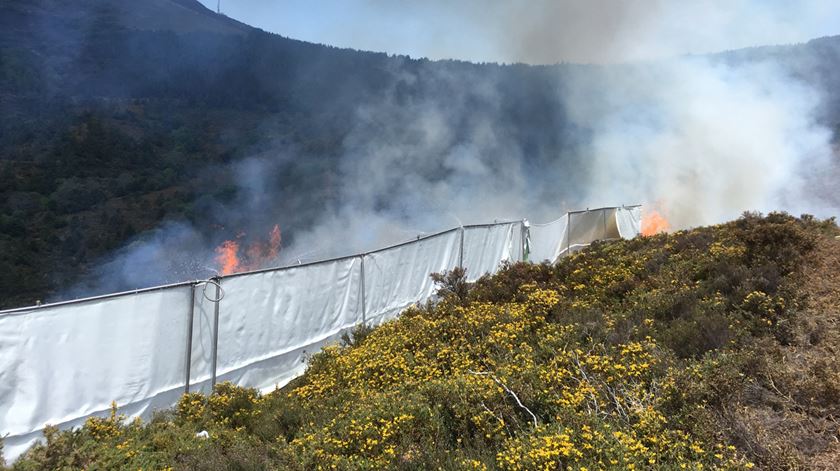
point(397, 277)
point(486, 247)
point(63, 363)
point(629, 221)
point(578, 229)
point(269, 321)
point(548, 241)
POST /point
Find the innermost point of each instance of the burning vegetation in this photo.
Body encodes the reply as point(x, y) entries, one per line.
point(259, 254)
point(653, 222)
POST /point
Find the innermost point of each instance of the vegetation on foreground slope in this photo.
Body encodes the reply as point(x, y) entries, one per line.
point(714, 348)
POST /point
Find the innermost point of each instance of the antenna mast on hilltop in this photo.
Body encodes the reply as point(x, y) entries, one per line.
point(218, 7)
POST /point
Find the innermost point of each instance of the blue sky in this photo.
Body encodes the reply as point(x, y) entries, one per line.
point(541, 31)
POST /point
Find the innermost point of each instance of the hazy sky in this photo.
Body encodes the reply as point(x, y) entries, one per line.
point(541, 31)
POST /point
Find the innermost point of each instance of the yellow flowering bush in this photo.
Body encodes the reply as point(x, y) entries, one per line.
point(102, 428)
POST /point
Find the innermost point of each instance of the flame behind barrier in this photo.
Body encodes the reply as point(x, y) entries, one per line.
point(258, 254)
point(653, 222)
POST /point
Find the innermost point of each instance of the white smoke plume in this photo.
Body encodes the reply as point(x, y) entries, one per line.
point(705, 140)
point(701, 140)
point(703, 137)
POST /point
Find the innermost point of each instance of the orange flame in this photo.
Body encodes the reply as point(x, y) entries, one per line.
point(227, 257)
point(653, 222)
point(257, 255)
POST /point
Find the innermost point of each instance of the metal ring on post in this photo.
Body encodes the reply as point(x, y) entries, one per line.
point(220, 293)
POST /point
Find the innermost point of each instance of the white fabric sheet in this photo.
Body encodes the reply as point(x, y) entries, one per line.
point(588, 226)
point(519, 231)
point(486, 247)
point(547, 241)
point(629, 221)
point(398, 277)
point(268, 321)
point(62, 364)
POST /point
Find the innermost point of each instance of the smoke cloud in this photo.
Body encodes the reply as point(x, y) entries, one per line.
point(705, 140)
point(610, 31)
point(703, 137)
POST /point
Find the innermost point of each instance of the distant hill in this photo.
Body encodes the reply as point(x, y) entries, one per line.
point(180, 16)
point(118, 115)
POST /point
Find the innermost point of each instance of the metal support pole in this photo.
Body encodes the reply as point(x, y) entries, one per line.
point(461, 249)
point(215, 346)
point(190, 316)
point(364, 300)
point(568, 233)
point(604, 214)
point(524, 234)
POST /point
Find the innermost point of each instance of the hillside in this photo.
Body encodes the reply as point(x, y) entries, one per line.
point(705, 349)
point(121, 116)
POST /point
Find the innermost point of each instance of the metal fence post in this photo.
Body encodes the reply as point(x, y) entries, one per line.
point(364, 300)
point(461, 249)
point(524, 234)
point(190, 317)
point(215, 345)
point(604, 214)
point(568, 233)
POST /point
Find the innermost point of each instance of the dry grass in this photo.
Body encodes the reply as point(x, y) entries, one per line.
point(791, 419)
